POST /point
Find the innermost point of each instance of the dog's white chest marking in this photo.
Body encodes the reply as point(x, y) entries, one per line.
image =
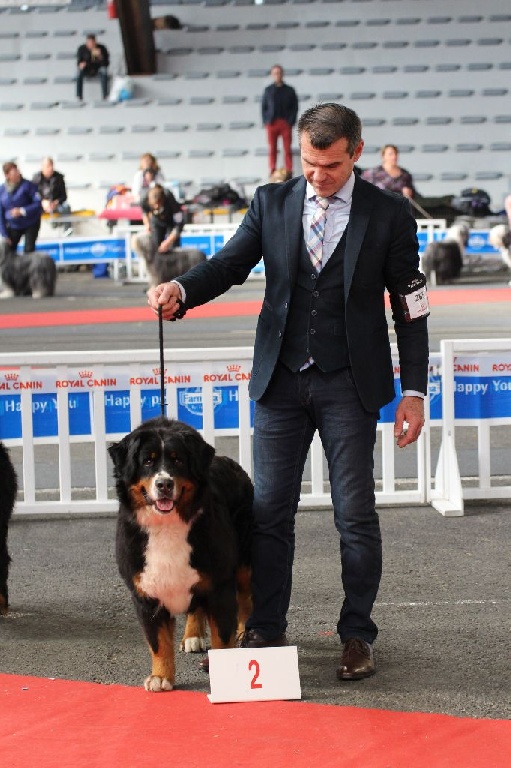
point(168, 576)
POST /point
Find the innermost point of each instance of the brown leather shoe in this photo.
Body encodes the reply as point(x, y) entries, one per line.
point(356, 661)
point(251, 638)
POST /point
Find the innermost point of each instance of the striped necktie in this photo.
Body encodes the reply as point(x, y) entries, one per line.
point(317, 232)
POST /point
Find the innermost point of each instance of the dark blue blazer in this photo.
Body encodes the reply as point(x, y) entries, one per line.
point(381, 254)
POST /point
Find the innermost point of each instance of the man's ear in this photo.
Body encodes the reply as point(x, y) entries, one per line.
point(358, 151)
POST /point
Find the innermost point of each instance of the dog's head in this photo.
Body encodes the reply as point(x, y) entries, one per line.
point(459, 233)
point(162, 467)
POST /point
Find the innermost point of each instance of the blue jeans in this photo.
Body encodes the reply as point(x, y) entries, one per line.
point(285, 420)
point(103, 76)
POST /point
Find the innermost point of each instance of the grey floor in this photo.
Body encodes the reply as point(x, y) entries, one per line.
point(444, 608)
point(444, 611)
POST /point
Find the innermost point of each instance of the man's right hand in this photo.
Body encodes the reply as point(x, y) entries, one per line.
point(166, 295)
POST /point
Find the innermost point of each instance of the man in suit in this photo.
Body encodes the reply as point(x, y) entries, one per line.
point(322, 360)
point(279, 108)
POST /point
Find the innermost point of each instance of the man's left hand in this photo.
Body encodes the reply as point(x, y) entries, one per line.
point(411, 411)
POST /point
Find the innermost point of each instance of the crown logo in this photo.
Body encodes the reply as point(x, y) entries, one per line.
point(86, 374)
point(12, 376)
point(234, 368)
point(157, 371)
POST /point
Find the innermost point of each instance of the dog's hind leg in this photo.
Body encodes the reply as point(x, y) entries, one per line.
point(222, 616)
point(243, 596)
point(194, 637)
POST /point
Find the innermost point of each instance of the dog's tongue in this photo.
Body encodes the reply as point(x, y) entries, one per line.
point(164, 505)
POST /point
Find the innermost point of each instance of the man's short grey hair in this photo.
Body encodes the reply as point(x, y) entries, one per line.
point(329, 122)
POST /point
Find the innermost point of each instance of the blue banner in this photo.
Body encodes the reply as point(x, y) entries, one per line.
point(475, 397)
point(79, 249)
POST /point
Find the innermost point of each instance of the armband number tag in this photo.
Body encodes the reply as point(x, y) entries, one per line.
point(415, 304)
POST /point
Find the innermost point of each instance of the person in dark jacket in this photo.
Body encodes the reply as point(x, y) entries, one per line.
point(52, 188)
point(163, 223)
point(332, 245)
point(20, 209)
point(93, 60)
point(279, 110)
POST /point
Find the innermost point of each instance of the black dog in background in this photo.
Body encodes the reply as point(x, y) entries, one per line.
point(8, 490)
point(26, 274)
point(442, 260)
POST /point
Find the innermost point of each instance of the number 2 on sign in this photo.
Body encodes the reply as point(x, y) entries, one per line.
point(254, 665)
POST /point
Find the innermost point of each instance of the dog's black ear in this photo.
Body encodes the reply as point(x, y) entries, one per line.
point(200, 455)
point(118, 452)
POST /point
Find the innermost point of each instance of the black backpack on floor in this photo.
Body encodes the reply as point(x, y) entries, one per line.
point(472, 202)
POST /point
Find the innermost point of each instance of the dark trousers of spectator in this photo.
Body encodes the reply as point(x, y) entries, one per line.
point(275, 129)
point(15, 235)
point(103, 76)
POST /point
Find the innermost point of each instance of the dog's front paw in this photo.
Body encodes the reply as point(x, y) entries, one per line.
point(193, 644)
point(155, 684)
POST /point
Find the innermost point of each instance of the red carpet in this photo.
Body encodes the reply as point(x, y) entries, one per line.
point(221, 309)
point(56, 723)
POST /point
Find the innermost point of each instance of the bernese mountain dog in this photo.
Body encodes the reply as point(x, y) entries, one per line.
point(8, 490)
point(183, 540)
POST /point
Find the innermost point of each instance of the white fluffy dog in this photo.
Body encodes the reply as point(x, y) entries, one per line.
point(500, 238)
point(443, 259)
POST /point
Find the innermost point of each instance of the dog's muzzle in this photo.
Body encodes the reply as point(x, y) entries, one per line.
point(164, 494)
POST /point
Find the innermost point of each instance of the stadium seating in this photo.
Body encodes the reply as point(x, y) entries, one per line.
point(432, 80)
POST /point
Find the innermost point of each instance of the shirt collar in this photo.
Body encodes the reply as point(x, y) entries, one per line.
point(344, 194)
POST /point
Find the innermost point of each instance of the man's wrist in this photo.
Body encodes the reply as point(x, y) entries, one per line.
point(181, 289)
point(413, 393)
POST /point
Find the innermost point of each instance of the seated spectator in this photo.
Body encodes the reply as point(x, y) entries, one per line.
point(163, 223)
point(141, 181)
point(52, 188)
point(389, 175)
point(92, 60)
point(20, 209)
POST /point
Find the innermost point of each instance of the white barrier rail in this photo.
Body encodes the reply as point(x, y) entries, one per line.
point(56, 402)
point(46, 391)
point(214, 236)
point(448, 493)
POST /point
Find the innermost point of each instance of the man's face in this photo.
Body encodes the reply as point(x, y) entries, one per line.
point(47, 168)
point(90, 42)
point(13, 176)
point(277, 75)
point(327, 170)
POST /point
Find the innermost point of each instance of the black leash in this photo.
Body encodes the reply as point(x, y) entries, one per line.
point(178, 314)
point(162, 370)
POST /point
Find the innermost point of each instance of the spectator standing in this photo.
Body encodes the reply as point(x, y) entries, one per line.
point(279, 110)
point(51, 186)
point(20, 209)
point(142, 180)
point(389, 175)
point(93, 60)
